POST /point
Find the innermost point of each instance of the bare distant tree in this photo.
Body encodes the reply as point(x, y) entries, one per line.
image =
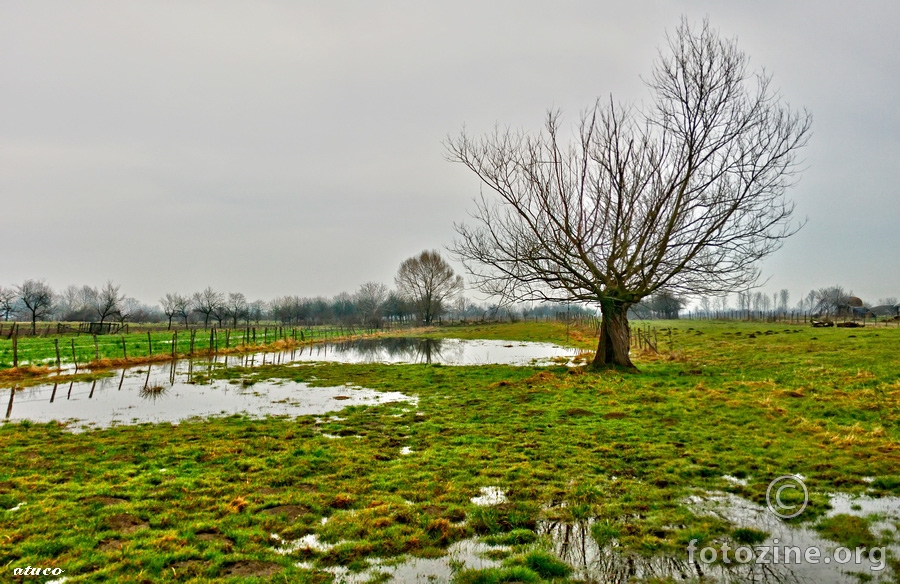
point(207, 303)
point(810, 301)
point(369, 299)
point(720, 303)
point(706, 305)
point(829, 300)
point(131, 309)
point(174, 304)
point(256, 311)
point(744, 298)
point(686, 194)
point(35, 299)
point(889, 301)
point(7, 302)
point(429, 282)
point(783, 298)
point(184, 306)
point(236, 307)
point(106, 302)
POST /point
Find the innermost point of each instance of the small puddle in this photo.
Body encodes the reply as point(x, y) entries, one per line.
point(163, 393)
point(573, 543)
point(462, 555)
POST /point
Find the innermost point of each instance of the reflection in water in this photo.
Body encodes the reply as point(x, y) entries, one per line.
point(433, 351)
point(573, 543)
point(134, 396)
point(468, 554)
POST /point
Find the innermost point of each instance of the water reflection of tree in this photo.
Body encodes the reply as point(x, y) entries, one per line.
point(408, 349)
point(610, 564)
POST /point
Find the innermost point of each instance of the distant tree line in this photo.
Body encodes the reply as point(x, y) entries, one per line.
point(829, 301)
point(426, 290)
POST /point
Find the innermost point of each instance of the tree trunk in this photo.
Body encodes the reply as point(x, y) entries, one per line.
point(615, 337)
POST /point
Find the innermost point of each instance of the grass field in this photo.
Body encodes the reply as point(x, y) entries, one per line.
point(40, 353)
point(201, 500)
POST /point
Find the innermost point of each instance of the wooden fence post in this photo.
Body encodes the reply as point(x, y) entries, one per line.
point(56, 346)
point(74, 358)
point(124, 349)
point(149, 343)
point(96, 349)
point(15, 340)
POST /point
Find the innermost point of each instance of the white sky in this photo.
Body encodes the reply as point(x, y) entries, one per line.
point(279, 148)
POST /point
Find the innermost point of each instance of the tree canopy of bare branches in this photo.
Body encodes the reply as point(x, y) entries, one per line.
point(428, 281)
point(7, 301)
point(369, 300)
point(106, 302)
point(684, 194)
point(35, 298)
point(209, 303)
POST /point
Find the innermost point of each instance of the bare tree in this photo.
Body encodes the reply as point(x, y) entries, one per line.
point(428, 281)
point(207, 303)
point(106, 302)
point(256, 311)
point(706, 306)
point(783, 298)
point(686, 194)
point(721, 302)
point(828, 301)
point(236, 307)
point(184, 306)
point(369, 300)
point(35, 299)
point(7, 302)
point(174, 304)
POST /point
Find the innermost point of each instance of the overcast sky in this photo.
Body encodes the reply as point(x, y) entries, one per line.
point(279, 148)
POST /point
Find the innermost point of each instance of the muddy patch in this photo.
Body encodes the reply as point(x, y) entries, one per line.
point(289, 512)
point(104, 500)
point(126, 523)
point(270, 491)
point(187, 568)
point(110, 545)
point(215, 538)
point(251, 568)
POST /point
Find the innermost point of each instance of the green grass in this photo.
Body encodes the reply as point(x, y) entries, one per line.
point(41, 350)
point(625, 449)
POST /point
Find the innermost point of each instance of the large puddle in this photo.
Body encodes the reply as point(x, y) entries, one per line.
point(574, 544)
point(165, 393)
point(436, 351)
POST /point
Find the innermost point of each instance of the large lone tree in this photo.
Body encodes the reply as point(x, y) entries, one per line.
point(684, 194)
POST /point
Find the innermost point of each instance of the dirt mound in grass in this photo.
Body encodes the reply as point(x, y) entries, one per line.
point(187, 568)
point(252, 568)
point(126, 523)
point(291, 512)
point(104, 500)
